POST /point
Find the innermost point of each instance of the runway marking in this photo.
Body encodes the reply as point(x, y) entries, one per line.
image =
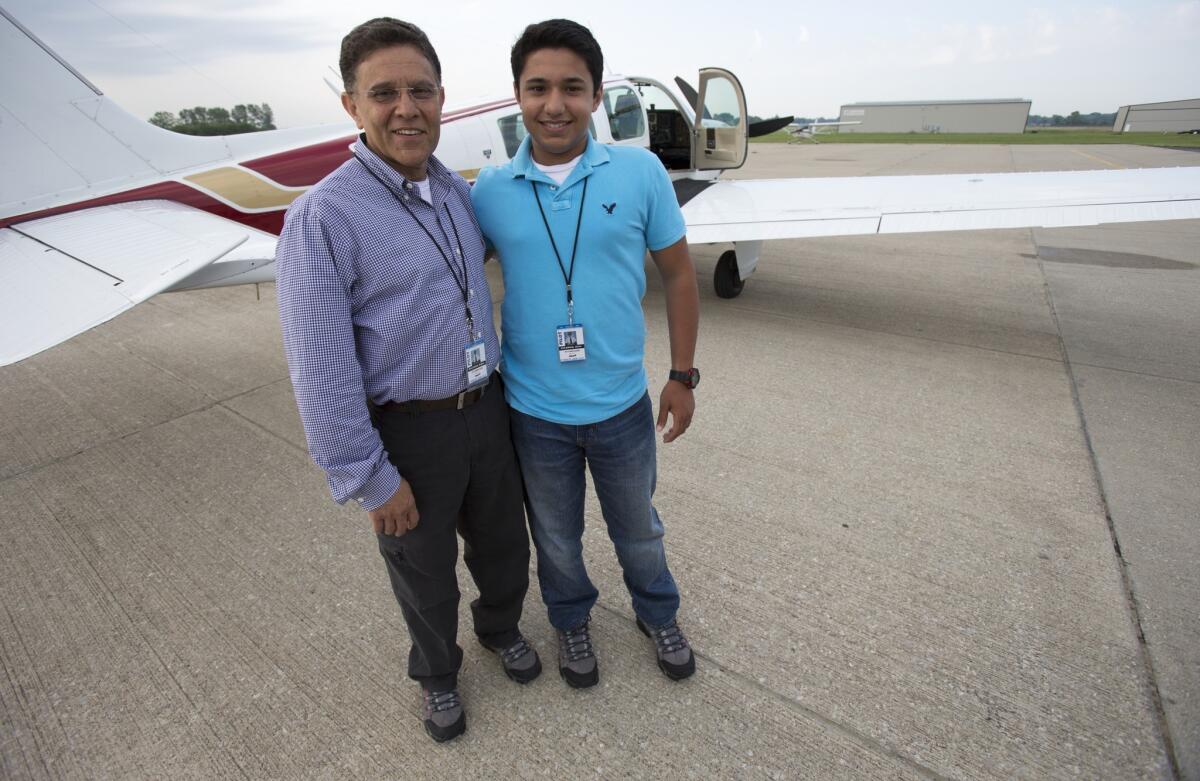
point(1098, 159)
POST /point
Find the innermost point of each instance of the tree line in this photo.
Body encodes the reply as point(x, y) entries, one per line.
point(216, 121)
point(1074, 119)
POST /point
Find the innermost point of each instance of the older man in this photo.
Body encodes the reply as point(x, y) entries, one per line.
point(383, 298)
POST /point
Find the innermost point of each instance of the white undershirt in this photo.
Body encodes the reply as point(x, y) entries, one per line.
point(423, 190)
point(559, 172)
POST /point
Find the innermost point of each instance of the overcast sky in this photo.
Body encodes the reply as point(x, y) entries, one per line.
point(791, 59)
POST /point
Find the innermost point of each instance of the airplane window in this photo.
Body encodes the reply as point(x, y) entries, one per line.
point(512, 130)
point(625, 119)
point(721, 103)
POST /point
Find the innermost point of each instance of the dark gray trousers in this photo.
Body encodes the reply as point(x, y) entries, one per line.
point(464, 476)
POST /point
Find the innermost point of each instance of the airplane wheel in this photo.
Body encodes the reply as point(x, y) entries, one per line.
point(726, 280)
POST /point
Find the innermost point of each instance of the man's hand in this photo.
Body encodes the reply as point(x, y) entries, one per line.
point(397, 515)
point(677, 400)
point(683, 320)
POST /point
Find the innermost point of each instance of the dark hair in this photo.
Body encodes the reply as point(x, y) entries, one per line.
point(380, 33)
point(559, 34)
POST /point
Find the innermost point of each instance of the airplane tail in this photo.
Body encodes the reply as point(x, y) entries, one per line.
point(100, 210)
point(64, 140)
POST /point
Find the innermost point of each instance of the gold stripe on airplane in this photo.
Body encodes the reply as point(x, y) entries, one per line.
point(244, 189)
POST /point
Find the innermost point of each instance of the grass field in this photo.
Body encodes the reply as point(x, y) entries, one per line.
point(1072, 135)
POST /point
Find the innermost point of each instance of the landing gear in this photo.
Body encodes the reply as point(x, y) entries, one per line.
point(726, 280)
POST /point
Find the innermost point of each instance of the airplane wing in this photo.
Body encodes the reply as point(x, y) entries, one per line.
point(764, 209)
point(61, 275)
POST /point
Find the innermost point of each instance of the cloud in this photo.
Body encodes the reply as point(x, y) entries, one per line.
point(160, 55)
point(989, 43)
point(1043, 34)
point(985, 45)
point(130, 36)
point(1187, 15)
point(939, 56)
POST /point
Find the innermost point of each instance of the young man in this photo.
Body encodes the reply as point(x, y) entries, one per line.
point(572, 220)
point(382, 296)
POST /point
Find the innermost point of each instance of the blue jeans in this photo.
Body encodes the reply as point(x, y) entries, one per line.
point(620, 453)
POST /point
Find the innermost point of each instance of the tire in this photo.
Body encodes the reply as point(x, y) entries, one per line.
point(726, 280)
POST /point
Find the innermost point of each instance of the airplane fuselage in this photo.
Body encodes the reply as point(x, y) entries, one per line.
point(276, 167)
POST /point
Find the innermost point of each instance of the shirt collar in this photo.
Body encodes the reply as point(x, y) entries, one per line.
point(522, 163)
point(433, 168)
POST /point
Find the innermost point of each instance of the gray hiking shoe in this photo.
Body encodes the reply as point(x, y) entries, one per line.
point(520, 661)
point(443, 714)
point(675, 656)
point(576, 658)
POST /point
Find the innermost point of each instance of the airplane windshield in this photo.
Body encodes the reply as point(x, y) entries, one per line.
point(670, 125)
point(655, 98)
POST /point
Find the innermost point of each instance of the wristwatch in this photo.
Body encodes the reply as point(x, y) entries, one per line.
point(690, 378)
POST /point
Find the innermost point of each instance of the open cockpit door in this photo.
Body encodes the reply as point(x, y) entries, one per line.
point(720, 135)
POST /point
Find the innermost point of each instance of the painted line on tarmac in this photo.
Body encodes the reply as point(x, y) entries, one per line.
point(1098, 159)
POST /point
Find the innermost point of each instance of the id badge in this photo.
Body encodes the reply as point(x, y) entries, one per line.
point(570, 343)
point(476, 358)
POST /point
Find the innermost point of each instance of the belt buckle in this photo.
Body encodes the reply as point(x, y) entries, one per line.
point(461, 396)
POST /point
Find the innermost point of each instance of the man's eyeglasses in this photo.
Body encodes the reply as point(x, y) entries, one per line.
point(389, 95)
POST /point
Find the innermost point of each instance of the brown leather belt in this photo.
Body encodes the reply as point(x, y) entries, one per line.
point(457, 401)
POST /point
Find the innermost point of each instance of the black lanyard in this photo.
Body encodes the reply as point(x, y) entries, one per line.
point(463, 286)
point(567, 275)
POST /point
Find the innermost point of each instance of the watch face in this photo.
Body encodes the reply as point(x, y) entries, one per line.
point(690, 378)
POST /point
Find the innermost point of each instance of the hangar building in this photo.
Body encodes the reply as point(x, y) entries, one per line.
point(1174, 116)
point(937, 116)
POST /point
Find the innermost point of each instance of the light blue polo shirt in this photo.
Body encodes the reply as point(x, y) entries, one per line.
point(630, 207)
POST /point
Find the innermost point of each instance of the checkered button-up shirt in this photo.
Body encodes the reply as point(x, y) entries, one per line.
point(370, 308)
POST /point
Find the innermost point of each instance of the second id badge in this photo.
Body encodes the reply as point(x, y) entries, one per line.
point(570, 343)
point(476, 358)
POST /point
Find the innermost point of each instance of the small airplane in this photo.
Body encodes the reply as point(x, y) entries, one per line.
point(100, 210)
point(813, 129)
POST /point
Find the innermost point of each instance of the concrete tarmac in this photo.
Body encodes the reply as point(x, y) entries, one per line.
point(935, 518)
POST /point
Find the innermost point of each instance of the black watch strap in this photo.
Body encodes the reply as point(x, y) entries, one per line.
point(690, 378)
